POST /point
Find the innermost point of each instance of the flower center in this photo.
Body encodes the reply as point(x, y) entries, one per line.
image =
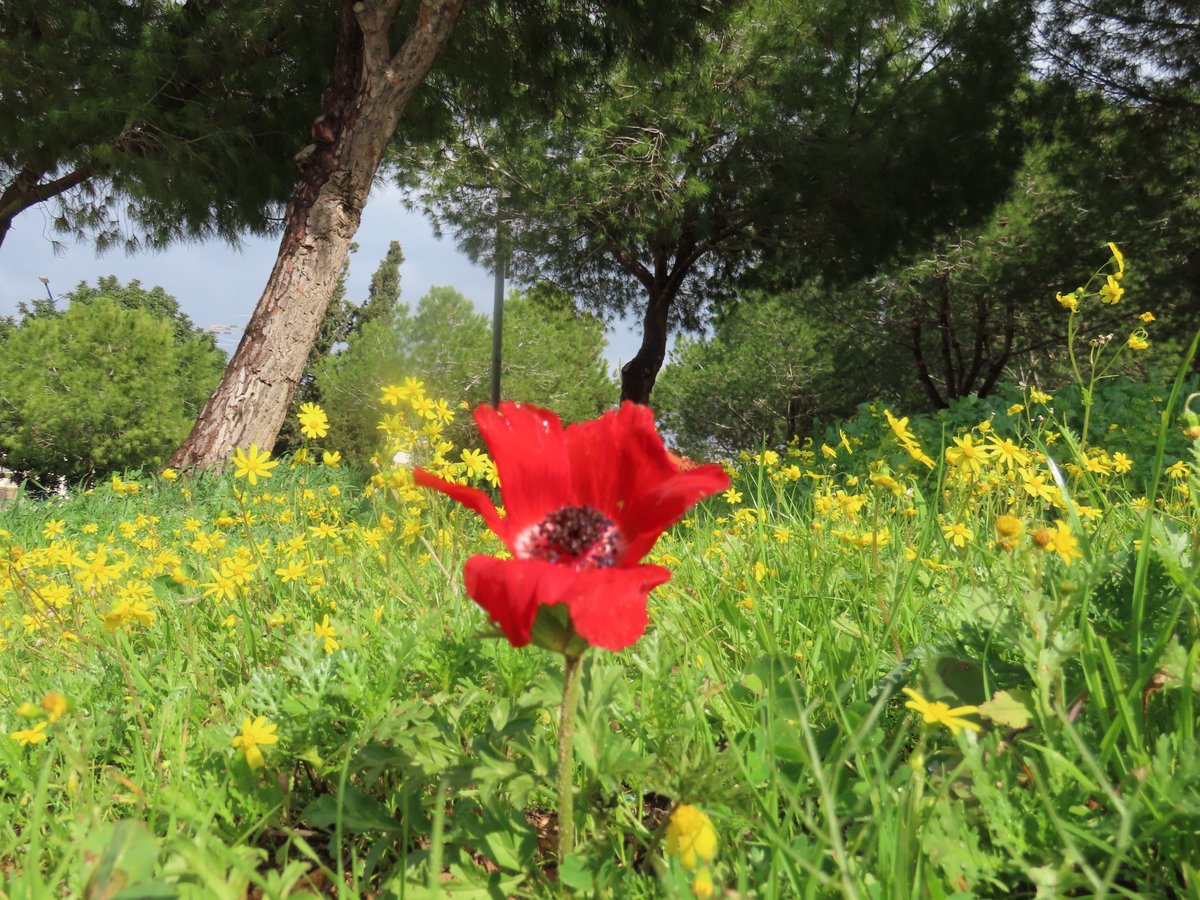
point(576, 536)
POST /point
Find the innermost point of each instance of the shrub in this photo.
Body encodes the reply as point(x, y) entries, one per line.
point(99, 388)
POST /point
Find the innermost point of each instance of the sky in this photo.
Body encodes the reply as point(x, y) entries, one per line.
point(217, 285)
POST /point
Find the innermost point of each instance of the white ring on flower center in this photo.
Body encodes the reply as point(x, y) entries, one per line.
point(577, 536)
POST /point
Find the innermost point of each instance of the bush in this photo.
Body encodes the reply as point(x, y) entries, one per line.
point(99, 388)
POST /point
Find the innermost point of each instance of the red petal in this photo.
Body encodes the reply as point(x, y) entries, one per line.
point(472, 498)
point(529, 449)
point(511, 590)
point(616, 457)
point(647, 517)
point(608, 606)
point(621, 467)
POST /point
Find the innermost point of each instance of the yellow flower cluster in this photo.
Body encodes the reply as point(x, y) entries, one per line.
point(415, 435)
point(692, 838)
point(269, 544)
point(1109, 293)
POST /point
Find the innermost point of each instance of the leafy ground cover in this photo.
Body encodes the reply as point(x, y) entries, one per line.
point(912, 659)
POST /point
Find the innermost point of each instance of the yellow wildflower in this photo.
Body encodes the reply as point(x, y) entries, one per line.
point(1009, 528)
point(29, 710)
point(691, 836)
point(1111, 292)
point(907, 439)
point(55, 705)
point(293, 571)
point(327, 633)
point(224, 585)
point(314, 423)
point(938, 713)
point(97, 571)
point(967, 456)
point(127, 612)
point(887, 481)
point(253, 464)
point(1119, 259)
point(1035, 485)
point(27, 736)
point(1007, 453)
point(476, 463)
point(1060, 540)
point(256, 734)
point(958, 534)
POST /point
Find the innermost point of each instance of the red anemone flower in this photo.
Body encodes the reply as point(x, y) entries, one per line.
point(582, 506)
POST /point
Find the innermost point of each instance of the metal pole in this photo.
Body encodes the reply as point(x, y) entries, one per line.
point(498, 307)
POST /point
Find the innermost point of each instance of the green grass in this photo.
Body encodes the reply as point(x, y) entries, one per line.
point(419, 758)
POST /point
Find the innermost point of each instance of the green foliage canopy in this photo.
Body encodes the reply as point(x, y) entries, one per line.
point(977, 305)
point(1136, 51)
point(823, 134)
point(179, 118)
point(99, 388)
point(767, 370)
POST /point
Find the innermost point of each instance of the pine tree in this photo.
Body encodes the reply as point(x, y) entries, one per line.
point(521, 55)
point(180, 119)
point(816, 136)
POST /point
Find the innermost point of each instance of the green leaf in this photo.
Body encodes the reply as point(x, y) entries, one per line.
point(510, 844)
point(1012, 709)
point(124, 853)
point(574, 873)
point(359, 813)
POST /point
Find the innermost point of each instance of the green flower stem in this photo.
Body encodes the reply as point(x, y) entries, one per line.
point(566, 734)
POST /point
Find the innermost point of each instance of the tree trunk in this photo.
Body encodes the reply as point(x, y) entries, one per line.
point(918, 351)
point(672, 264)
point(639, 374)
point(366, 96)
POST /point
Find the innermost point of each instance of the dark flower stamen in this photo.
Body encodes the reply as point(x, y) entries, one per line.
point(574, 535)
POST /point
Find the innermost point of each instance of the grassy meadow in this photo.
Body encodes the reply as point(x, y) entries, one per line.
point(935, 658)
